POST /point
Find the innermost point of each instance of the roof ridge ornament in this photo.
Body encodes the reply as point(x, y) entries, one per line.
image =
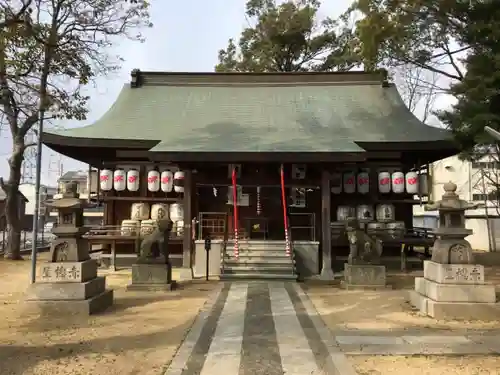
point(136, 78)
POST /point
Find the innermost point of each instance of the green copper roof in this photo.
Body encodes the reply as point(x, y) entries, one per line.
point(305, 115)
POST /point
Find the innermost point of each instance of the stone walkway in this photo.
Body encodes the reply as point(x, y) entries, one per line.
point(272, 328)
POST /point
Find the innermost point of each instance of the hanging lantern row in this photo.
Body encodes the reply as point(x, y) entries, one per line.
point(121, 180)
point(397, 182)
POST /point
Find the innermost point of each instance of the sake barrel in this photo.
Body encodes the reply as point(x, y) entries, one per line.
point(345, 212)
point(411, 182)
point(365, 213)
point(338, 231)
point(130, 227)
point(336, 183)
point(140, 211)
point(179, 228)
point(396, 229)
point(176, 212)
point(384, 182)
point(385, 212)
point(148, 227)
point(376, 229)
point(159, 211)
point(363, 182)
point(398, 182)
point(349, 182)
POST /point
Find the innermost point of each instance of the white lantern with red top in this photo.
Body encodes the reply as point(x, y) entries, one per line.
point(336, 183)
point(167, 181)
point(153, 180)
point(363, 182)
point(119, 180)
point(398, 182)
point(384, 182)
point(133, 180)
point(411, 182)
point(349, 179)
point(179, 182)
point(106, 180)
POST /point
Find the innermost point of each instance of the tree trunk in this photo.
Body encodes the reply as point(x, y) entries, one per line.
point(12, 203)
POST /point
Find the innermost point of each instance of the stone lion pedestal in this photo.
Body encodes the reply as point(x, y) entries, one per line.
point(153, 273)
point(363, 269)
point(453, 287)
point(68, 283)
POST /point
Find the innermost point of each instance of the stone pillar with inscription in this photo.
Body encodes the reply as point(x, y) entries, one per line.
point(453, 287)
point(68, 283)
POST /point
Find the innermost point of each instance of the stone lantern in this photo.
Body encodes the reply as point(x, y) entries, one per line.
point(451, 247)
point(68, 281)
point(453, 287)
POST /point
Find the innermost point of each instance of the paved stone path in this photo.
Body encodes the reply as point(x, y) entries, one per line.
point(272, 328)
point(259, 328)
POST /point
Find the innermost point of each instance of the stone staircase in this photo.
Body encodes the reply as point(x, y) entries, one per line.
point(264, 260)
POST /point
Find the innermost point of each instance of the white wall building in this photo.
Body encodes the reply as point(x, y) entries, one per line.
point(475, 183)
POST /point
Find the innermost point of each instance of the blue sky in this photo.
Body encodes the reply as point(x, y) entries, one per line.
point(186, 37)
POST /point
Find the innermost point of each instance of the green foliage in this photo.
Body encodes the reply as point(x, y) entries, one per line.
point(423, 33)
point(288, 37)
point(478, 94)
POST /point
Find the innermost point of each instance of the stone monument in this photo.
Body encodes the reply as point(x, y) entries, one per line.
point(453, 287)
point(150, 272)
point(69, 282)
point(363, 268)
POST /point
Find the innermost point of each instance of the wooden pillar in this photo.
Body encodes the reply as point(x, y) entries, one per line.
point(326, 230)
point(187, 243)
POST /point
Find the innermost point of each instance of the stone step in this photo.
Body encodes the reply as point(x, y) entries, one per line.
point(261, 269)
point(260, 245)
point(251, 261)
point(257, 276)
point(257, 253)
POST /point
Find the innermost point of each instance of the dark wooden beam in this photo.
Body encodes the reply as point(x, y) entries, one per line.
point(187, 243)
point(326, 229)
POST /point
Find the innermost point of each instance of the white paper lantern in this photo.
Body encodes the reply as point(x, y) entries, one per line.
point(153, 180)
point(106, 180)
point(179, 182)
point(411, 182)
point(336, 183)
point(349, 179)
point(384, 182)
point(119, 180)
point(363, 182)
point(423, 184)
point(133, 180)
point(167, 181)
point(398, 182)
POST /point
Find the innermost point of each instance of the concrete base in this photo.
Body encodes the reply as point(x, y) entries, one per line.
point(151, 277)
point(455, 310)
point(185, 273)
point(66, 291)
point(364, 276)
point(482, 293)
point(86, 307)
point(152, 287)
point(455, 292)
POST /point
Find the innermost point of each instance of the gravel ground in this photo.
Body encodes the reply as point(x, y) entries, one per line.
point(435, 365)
point(138, 335)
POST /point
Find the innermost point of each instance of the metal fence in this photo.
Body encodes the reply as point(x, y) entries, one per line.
point(43, 239)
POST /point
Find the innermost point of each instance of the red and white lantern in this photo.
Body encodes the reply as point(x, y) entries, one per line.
point(133, 180)
point(384, 182)
point(106, 180)
point(411, 182)
point(119, 180)
point(363, 182)
point(167, 181)
point(153, 180)
point(398, 182)
point(349, 179)
point(179, 182)
point(336, 183)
